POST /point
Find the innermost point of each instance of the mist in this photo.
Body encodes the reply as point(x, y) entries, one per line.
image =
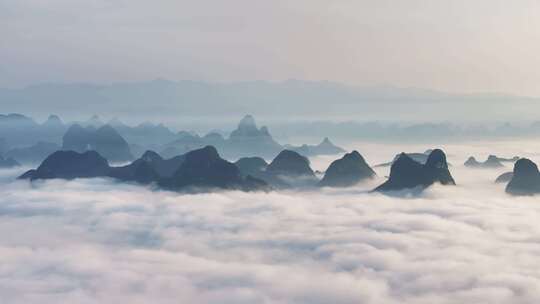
point(94, 240)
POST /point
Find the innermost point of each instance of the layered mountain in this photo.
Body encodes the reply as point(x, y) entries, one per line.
point(245, 141)
point(407, 173)
point(70, 165)
point(201, 169)
point(21, 131)
point(205, 169)
point(491, 162)
point(347, 171)
point(254, 166)
point(248, 140)
point(184, 143)
point(420, 157)
point(288, 169)
point(145, 134)
point(105, 140)
point(525, 179)
point(151, 167)
point(291, 164)
point(108, 142)
point(326, 147)
point(34, 154)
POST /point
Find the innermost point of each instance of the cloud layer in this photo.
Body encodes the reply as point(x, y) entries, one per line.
point(92, 241)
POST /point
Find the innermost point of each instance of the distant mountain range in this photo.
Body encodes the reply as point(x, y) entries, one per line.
point(309, 99)
point(27, 141)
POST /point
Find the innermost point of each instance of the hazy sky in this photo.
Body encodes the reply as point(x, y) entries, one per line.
point(458, 45)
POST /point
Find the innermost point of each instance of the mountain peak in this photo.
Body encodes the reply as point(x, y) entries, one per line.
point(247, 122)
point(437, 159)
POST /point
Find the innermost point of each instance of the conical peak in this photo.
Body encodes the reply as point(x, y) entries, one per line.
point(437, 159)
point(525, 167)
point(354, 155)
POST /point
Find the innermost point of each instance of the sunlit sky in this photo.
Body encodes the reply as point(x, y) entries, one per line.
point(451, 45)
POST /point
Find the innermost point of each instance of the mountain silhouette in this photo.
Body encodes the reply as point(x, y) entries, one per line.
point(253, 166)
point(326, 147)
point(406, 173)
point(290, 163)
point(70, 165)
point(525, 179)
point(34, 154)
point(204, 168)
point(491, 162)
point(105, 140)
point(347, 171)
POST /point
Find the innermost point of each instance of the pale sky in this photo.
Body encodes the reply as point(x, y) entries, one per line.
point(451, 45)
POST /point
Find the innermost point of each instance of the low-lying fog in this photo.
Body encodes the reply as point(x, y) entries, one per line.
point(95, 241)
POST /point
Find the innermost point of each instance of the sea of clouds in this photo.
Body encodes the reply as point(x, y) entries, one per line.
point(96, 241)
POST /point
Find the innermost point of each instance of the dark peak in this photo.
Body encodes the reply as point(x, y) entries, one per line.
point(290, 155)
point(347, 171)
point(354, 155)
point(437, 159)
point(525, 178)
point(208, 152)
point(255, 161)
point(406, 173)
point(326, 141)
point(471, 159)
point(69, 165)
point(290, 163)
point(92, 154)
point(68, 156)
point(404, 158)
point(525, 167)
point(151, 156)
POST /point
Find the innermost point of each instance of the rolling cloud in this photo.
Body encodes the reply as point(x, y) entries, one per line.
point(87, 241)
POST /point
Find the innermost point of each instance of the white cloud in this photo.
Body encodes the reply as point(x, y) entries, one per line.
point(88, 241)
